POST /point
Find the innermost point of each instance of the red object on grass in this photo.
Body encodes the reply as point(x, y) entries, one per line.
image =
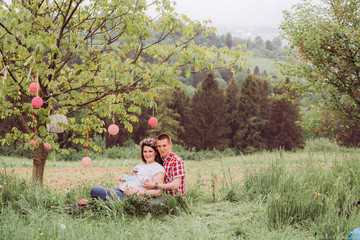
point(153, 121)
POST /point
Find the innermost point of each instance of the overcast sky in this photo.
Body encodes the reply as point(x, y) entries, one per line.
point(236, 13)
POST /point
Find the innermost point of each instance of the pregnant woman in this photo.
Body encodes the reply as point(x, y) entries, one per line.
point(150, 169)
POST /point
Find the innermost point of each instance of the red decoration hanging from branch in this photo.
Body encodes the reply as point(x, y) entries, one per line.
point(34, 143)
point(47, 146)
point(113, 129)
point(37, 102)
point(153, 121)
point(34, 87)
point(86, 161)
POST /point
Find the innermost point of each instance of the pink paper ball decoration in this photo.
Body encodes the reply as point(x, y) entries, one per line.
point(86, 161)
point(113, 129)
point(153, 121)
point(37, 102)
point(34, 87)
point(47, 146)
point(35, 143)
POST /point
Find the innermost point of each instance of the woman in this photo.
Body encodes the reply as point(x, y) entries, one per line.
point(150, 169)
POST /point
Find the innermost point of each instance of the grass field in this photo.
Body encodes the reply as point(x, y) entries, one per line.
point(309, 194)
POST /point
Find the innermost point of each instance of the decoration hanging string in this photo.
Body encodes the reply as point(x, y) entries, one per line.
point(37, 82)
point(34, 121)
point(5, 70)
point(34, 109)
point(112, 114)
point(112, 102)
point(27, 64)
point(87, 123)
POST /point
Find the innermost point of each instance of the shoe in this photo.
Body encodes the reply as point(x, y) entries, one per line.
point(81, 203)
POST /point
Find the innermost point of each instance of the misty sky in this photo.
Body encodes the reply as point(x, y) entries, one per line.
point(236, 13)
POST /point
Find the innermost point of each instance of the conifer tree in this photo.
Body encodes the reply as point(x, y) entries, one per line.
point(180, 105)
point(229, 40)
point(168, 112)
point(208, 128)
point(283, 131)
point(232, 95)
point(251, 120)
point(265, 107)
point(257, 71)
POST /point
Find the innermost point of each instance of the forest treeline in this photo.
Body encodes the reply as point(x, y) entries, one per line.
point(219, 109)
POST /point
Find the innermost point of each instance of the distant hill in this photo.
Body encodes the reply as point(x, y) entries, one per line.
point(264, 32)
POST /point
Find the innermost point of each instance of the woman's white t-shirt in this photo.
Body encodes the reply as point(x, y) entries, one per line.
point(141, 173)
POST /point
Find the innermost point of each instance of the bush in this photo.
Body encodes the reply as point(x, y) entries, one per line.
point(129, 150)
point(192, 154)
point(321, 145)
point(16, 149)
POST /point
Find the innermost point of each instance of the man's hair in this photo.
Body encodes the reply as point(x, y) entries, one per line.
point(163, 136)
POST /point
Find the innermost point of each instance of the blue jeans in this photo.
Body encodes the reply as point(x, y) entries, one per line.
point(106, 194)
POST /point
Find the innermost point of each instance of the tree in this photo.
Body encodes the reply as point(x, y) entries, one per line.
point(208, 128)
point(283, 130)
point(259, 43)
point(276, 41)
point(257, 71)
point(172, 114)
point(229, 40)
point(101, 57)
point(268, 45)
point(251, 115)
point(226, 74)
point(326, 38)
point(232, 96)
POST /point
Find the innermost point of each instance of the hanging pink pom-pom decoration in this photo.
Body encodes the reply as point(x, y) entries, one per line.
point(34, 87)
point(86, 161)
point(37, 102)
point(34, 143)
point(153, 121)
point(113, 129)
point(47, 146)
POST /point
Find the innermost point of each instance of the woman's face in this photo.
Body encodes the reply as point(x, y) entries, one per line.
point(149, 154)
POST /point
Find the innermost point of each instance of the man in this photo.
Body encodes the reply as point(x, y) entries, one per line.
point(174, 168)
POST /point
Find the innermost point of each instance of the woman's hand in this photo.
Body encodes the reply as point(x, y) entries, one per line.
point(121, 179)
point(149, 184)
point(130, 191)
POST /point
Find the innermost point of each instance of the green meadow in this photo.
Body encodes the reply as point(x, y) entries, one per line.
point(313, 193)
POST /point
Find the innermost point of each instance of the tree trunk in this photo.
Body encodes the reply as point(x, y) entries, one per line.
point(39, 161)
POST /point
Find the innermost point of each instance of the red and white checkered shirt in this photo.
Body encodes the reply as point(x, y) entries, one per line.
point(174, 168)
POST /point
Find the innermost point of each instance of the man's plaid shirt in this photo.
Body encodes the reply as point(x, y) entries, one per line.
point(174, 168)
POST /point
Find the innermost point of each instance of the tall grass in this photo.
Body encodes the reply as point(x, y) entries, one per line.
point(310, 194)
point(317, 195)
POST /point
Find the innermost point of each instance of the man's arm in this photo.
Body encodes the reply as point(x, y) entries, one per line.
point(175, 184)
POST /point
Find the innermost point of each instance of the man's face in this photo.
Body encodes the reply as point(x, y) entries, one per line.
point(164, 147)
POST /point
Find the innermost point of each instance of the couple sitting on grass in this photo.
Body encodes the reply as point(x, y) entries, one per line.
point(160, 169)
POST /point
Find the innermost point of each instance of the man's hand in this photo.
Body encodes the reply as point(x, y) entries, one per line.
point(149, 184)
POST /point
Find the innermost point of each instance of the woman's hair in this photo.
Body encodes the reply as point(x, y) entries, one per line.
point(150, 142)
